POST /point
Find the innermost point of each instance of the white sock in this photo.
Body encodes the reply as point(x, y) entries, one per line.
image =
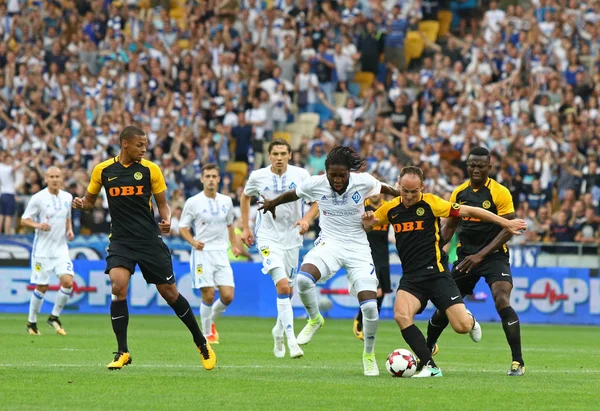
point(61, 300)
point(206, 318)
point(218, 308)
point(370, 322)
point(308, 294)
point(35, 304)
point(285, 317)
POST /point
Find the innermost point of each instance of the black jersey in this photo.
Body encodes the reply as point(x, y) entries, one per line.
point(129, 192)
point(378, 239)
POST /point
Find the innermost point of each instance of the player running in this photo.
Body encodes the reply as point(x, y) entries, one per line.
point(378, 241)
point(415, 218)
point(482, 252)
point(279, 240)
point(211, 216)
point(49, 212)
point(340, 195)
point(130, 182)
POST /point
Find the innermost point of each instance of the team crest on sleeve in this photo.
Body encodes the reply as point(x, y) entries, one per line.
point(486, 204)
point(292, 186)
point(420, 211)
point(199, 269)
point(138, 176)
point(455, 206)
point(38, 267)
point(356, 197)
point(265, 251)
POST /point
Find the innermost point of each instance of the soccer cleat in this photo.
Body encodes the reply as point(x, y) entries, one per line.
point(429, 371)
point(370, 365)
point(55, 323)
point(208, 356)
point(358, 333)
point(516, 369)
point(295, 351)
point(475, 332)
point(32, 329)
point(121, 360)
point(434, 351)
point(212, 339)
point(279, 346)
point(310, 329)
point(213, 331)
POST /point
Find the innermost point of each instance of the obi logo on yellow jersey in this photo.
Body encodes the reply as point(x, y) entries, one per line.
point(126, 191)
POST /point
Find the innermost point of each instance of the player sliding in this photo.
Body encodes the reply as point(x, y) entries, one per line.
point(482, 252)
point(415, 218)
point(340, 196)
point(135, 238)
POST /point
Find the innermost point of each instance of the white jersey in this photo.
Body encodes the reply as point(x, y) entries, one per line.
point(53, 210)
point(209, 217)
point(341, 215)
point(281, 231)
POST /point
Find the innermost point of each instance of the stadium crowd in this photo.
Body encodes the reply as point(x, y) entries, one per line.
point(213, 81)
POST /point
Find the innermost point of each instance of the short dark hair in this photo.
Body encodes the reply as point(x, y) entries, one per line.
point(412, 170)
point(480, 152)
point(344, 156)
point(209, 166)
point(279, 142)
point(129, 132)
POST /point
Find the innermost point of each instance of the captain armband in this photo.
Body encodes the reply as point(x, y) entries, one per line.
point(454, 210)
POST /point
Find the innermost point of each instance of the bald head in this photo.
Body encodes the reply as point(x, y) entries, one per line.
point(54, 179)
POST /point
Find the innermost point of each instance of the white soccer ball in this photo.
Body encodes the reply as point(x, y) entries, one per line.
point(401, 363)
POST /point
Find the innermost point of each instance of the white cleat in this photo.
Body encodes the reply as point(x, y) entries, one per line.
point(295, 351)
point(370, 365)
point(279, 346)
point(310, 329)
point(428, 371)
point(475, 332)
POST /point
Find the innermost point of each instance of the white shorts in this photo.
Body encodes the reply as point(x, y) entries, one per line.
point(329, 257)
point(274, 257)
point(43, 267)
point(211, 269)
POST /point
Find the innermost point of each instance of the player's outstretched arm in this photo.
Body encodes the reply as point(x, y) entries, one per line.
point(389, 190)
point(515, 227)
point(85, 203)
point(164, 211)
point(271, 205)
point(304, 222)
point(247, 236)
point(448, 230)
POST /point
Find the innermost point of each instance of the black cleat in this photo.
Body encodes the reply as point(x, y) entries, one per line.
point(516, 369)
point(55, 323)
point(32, 329)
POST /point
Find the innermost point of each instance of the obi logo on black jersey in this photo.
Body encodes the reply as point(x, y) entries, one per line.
point(126, 191)
point(408, 226)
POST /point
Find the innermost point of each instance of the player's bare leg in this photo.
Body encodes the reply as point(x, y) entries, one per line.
point(307, 279)
point(510, 323)
point(226, 294)
point(206, 313)
point(182, 308)
point(368, 306)
point(463, 321)
point(35, 304)
point(62, 296)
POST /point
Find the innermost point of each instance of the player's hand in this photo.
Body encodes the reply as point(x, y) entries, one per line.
point(77, 203)
point(197, 245)
point(267, 205)
point(236, 251)
point(369, 218)
point(304, 226)
point(248, 237)
point(469, 263)
point(165, 226)
point(516, 227)
point(44, 227)
point(70, 235)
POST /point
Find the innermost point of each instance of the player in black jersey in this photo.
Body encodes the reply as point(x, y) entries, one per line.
point(415, 219)
point(482, 251)
point(378, 241)
point(130, 182)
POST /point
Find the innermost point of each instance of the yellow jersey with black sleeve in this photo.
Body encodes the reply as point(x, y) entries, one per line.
point(417, 231)
point(129, 193)
point(474, 234)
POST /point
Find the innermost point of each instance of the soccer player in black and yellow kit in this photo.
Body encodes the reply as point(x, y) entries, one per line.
point(130, 182)
point(415, 219)
point(482, 251)
point(378, 241)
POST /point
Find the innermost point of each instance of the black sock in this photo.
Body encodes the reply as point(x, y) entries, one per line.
point(379, 303)
point(359, 319)
point(416, 341)
point(184, 312)
point(119, 315)
point(512, 329)
point(437, 323)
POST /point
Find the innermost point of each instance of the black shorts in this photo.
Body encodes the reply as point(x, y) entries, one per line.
point(154, 260)
point(468, 13)
point(492, 269)
point(440, 289)
point(383, 275)
point(8, 205)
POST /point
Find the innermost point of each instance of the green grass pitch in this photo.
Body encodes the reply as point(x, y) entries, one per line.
point(54, 372)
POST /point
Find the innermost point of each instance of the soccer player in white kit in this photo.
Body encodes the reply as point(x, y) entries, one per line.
point(343, 242)
point(211, 216)
point(279, 240)
point(49, 212)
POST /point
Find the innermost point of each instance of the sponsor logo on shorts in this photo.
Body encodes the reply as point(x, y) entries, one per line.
point(199, 269)
point(486, 204)
point(138, 176)
point(505, 275)
point(264, 250)
point(38, 267)
point(455, 297)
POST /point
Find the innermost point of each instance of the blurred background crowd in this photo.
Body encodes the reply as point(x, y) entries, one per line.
point(402, 81)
